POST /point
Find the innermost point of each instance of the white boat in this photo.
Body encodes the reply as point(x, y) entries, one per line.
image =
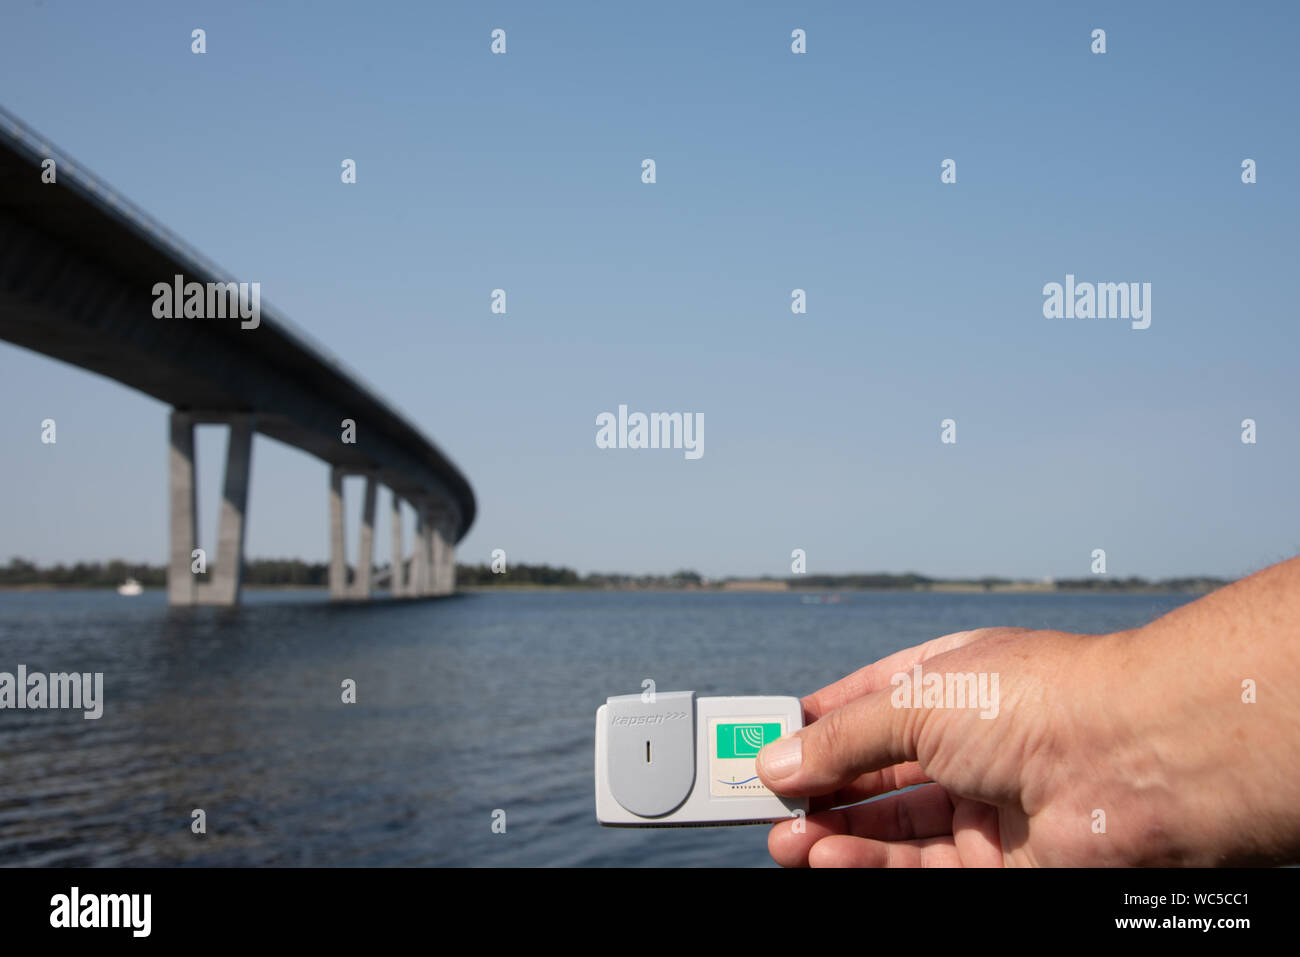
point(129, 587)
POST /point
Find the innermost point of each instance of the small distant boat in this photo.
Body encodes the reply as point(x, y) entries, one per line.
point(129, 587)
point(821, 599)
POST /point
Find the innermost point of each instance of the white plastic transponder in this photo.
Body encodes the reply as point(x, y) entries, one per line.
point(679, 760)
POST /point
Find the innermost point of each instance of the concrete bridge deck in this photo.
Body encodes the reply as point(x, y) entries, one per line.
point(78, 267)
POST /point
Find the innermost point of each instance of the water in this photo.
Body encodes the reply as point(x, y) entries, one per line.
point(465, 706)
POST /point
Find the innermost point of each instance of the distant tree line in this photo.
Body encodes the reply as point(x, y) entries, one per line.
point(880, 580)
point(294, 572)
point(257, 571)
point(1132, 583)
point(83, 574)
point(286, 571)
point(482, 575)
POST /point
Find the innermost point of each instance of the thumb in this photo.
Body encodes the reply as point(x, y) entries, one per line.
point(866, 734)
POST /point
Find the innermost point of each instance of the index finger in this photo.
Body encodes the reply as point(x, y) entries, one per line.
point(875, 677)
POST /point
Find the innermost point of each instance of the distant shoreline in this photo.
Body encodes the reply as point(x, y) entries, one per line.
point(281, 573)
point(821, 590)
point(1012, 589)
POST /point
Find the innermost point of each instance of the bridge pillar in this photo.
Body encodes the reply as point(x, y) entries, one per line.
point(420, 562)
point(366, 556)
point(435, 551)
point(449, 559)
point(443, 577)
point(338, 575)
point(397, 576)
point(184, 530)
point(228, 576)
point(226, 568)
point(430, 570)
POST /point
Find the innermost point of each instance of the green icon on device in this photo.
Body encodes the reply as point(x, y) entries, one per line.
point(745, 740)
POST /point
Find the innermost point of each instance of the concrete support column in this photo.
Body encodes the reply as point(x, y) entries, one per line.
point(399, 558)
point(228, 575)
point(226, 568)
point(184, 528)
point(338, 575)
point(442, 581)
point(435, 554)
point(366, 557)
point(420, 559)
point(430, 552)
point(449, 558)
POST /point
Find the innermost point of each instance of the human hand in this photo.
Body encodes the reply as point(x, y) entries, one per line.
point(1096, 753)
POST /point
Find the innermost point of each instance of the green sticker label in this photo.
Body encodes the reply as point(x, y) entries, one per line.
point(745, 740)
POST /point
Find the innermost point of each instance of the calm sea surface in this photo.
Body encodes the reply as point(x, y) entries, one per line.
point(465, 706)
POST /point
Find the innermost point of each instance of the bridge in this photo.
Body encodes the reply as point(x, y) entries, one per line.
point(81, 273)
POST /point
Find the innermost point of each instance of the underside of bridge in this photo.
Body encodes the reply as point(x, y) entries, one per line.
point(78, 270)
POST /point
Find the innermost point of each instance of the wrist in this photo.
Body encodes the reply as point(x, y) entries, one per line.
point(1200, 774)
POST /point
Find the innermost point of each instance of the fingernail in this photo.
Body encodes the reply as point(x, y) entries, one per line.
point(782, 757)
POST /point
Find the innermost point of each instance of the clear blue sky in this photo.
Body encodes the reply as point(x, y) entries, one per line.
point(775, 171)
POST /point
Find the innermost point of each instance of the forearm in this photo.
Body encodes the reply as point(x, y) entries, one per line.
point(1206, 724)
